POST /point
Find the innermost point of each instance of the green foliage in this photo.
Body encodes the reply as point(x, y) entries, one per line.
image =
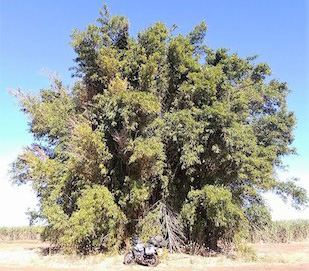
point(246, 252)
point(98, 223)
point(259, 217)
point(151, 225)
point(89, 153)
point(210, 213)
point(154, 118)
point(285, 189)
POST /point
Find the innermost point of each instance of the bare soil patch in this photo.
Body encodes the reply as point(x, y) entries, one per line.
point(282, 247)
point(36, 256)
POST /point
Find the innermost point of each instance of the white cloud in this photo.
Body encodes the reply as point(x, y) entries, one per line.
point(281, 210)
point(14, 200)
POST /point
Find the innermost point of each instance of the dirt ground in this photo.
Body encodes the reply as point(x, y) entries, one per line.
point(34, 255)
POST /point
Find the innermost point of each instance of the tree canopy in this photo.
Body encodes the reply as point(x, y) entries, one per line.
point(154, 118)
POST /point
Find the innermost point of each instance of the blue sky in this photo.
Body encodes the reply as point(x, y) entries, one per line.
point(35, 35)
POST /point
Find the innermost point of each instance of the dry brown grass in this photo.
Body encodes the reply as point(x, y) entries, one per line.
point(31, 254)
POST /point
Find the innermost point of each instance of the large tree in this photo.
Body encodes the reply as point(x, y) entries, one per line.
point(156, 118)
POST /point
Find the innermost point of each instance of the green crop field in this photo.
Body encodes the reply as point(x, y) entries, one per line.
point(277, 232)
point(20, 233)
point(282, 232)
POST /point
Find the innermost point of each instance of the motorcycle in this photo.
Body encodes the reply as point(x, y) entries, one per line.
point(144, 254)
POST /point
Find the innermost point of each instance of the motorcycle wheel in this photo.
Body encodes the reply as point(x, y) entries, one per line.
point(153, 261)
point(128, 258)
